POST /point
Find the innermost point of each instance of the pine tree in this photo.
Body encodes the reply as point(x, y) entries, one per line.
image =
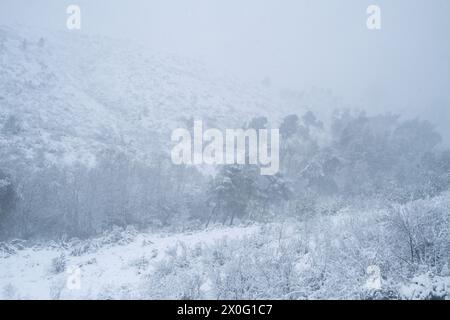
point(8, 199)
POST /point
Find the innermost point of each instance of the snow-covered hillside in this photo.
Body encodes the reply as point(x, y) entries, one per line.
point(66, 97)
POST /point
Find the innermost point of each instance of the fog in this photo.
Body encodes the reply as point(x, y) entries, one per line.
point(100, 200)
point(403, 68)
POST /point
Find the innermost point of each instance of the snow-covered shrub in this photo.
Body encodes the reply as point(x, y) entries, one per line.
point(18, 244)
point(141, 264)
point(84, 247)
point(329, 205)
point(124, 291)
point(9, 292)
point(389, 290)
point(176, 277)
point(119, 235)
point(6, 249)
point(116, 236)
point(179, 284)
point(420, 232)
point(254, 267)
point(58, 264)
point(427, 287)
point(56, 288)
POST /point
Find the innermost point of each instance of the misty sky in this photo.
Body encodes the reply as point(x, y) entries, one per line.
point(403, 67)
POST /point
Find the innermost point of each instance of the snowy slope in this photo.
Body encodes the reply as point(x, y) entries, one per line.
point(245, 262)
point(109, 264)
point(68, 97)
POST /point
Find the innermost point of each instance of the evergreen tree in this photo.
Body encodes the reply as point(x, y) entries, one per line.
point(8, 200)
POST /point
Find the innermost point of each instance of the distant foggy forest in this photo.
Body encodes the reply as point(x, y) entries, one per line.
point(379, 160)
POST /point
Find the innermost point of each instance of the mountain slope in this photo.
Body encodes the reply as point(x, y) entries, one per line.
point(65, 98)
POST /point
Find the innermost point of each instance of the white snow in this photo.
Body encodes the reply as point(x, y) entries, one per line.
point(27, 274)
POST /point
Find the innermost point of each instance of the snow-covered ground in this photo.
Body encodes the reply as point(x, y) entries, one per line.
point(32, 273)
point(243, 262)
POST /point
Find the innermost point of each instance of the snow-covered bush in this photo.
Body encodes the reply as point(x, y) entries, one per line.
point(141, 264)
point(58, 264)
point(255, 267)
point(9, 292)
point(80, 248)
point(420, 232)
point(426, 287)
point(176, 277)
point(6, 249)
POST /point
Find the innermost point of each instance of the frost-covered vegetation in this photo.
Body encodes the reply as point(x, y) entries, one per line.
point(92, 185)
point(322, 257)
point(357, 161)
point(291, 261)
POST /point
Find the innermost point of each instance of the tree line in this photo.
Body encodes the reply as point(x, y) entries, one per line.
point(324, 167)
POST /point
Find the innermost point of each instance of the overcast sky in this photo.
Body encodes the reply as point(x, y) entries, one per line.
point(297, 43)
